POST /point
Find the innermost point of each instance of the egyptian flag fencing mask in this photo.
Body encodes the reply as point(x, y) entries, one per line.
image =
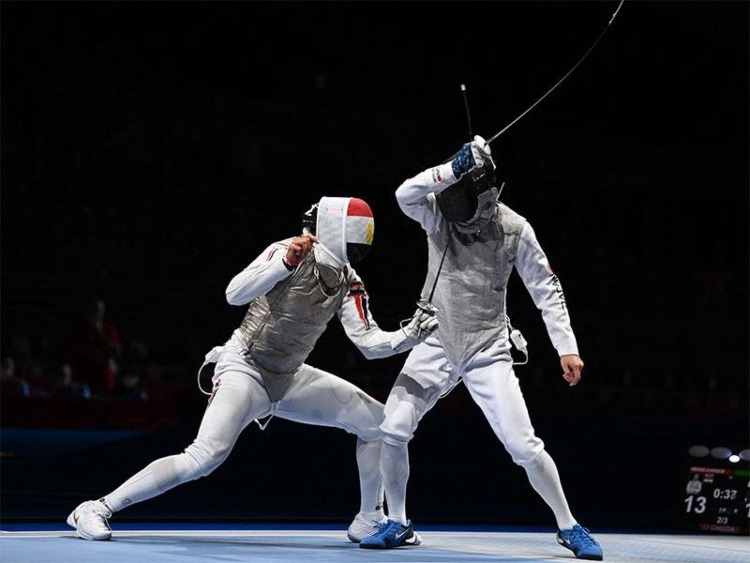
point(344, 225)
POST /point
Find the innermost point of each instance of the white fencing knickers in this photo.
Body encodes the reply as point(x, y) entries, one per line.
point(239, 397)
point(427, 375)
point(491, 381)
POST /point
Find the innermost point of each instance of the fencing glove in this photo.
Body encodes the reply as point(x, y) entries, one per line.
point(416, 330)
point(472, 155)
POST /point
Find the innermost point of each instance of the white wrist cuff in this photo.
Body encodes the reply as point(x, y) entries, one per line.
point(438, 177)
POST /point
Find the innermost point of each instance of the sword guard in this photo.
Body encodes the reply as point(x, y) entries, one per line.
point(426, 307)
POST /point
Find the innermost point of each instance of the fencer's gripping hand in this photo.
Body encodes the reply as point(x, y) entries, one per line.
point(298, 249)
point(472, 155)
point(572, 365)
point(415, 330)
point(422, 324)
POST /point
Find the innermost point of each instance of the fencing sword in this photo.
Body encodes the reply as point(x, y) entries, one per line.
point(565, 76)
point(426, 305)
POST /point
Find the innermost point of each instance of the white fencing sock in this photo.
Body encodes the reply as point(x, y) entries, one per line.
point(545, 479)
point(394, 463)
point(370, 481)
point(154, 479)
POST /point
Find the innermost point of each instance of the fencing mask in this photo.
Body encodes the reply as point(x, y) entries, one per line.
point(460, 202)
point(343, 225)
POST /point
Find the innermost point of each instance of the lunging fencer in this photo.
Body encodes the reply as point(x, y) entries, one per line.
point(292, 289)
point(474, 243)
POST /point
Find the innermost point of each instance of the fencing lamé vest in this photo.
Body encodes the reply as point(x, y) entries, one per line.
point(281, 327)
point(471, 288)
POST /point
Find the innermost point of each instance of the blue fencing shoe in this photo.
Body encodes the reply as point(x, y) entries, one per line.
point(391, 534)
point(578, 540)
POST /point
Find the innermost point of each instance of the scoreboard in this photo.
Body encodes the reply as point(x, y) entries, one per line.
point(717, 499)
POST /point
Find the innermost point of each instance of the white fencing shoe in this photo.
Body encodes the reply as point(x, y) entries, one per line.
point(363, 526)
point(90, 520)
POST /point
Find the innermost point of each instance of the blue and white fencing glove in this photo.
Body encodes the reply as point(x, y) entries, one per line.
point(472, 155)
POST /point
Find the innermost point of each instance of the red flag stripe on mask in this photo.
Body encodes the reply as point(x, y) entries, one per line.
point(358, 208)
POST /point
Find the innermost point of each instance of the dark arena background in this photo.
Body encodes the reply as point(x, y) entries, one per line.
point(151, 150)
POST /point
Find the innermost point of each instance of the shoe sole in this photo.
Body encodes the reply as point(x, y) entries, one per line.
point(585, 557)
point(413, 541)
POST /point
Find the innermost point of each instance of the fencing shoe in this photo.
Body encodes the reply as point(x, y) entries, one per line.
point(391, 534)
point(578, 540)
point(363, 526)
point(90, 520)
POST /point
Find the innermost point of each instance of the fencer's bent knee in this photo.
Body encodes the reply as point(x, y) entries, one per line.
point(365, 421)
point(394, 440)
point(370, 434)
point(524, 451)
point(404, 408)
point(206, 456)
point(399, 424)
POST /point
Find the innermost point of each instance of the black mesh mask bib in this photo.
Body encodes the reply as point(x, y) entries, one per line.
point(458, 203)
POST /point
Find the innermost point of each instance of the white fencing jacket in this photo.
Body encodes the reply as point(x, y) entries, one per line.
point(471, 290)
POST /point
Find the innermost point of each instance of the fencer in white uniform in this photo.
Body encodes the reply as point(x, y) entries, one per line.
point(474, 243)
point(292, 289)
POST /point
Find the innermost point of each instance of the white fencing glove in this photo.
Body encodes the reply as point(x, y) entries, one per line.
point(415, 330)
point(472, 155)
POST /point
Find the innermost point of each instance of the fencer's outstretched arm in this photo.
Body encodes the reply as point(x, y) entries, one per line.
point(261, 275)
point(368, 337)
point(546, 292)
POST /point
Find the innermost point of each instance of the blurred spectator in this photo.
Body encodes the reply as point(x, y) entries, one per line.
point(12, 385)
point(65, 387)
point(133, 372)
point(129, 387)
point(26, 364)
point(96, 349)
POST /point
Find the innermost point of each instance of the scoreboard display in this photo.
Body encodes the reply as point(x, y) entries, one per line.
point(717, 499)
